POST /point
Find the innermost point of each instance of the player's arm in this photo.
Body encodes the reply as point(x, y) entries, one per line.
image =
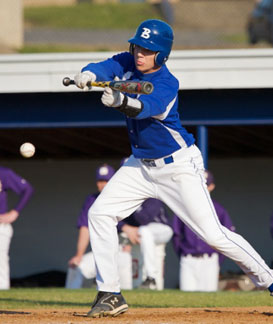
point(156, 105)
point(9, 217)
point(132, 233)
point(21, 187)
point(106, 70)
point(82, 244)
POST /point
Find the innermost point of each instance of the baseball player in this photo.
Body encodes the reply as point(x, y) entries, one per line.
point(9, 180)
point(199, 263)
point(165, 164)
point(148, 226)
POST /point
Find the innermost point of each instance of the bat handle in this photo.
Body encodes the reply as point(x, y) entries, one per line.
point(67, 81)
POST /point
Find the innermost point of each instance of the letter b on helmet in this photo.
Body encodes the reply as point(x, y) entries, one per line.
point(155, 35)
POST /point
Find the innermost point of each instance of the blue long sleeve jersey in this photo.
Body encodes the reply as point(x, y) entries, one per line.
point(156, 131)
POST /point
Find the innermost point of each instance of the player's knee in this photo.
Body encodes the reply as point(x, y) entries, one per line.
point(144, 231)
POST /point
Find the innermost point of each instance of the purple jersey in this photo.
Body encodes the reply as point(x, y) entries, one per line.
point(152, 210)
point(185, 241)
point(9, 180)
point(83, 217)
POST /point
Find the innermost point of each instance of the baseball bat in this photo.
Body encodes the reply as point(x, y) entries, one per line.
point(137, 87)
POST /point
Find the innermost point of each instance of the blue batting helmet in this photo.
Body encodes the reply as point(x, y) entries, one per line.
point(155, 35)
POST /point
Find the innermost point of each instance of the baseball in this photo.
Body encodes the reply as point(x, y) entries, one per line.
point(27, 150)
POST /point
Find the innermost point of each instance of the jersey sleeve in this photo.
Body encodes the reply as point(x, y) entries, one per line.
point(107, 70)
point(159, 102)
point(20, 186)
point(83, 216)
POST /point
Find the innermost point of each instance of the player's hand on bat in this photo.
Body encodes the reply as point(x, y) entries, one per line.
point(132, 233)
point(81, 79)
point(112, 98)
point(9, 217)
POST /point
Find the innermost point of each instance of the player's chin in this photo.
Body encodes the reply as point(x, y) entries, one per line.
point(142, 69)
point(140, 66)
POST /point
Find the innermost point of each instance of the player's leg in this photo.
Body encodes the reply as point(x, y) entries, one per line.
point(87, 266)
point(211, 277)
point(199, 273)
point(74, 278)
point(6, 233)
point(189, 273)
point(122, 195)
point(125, 269)
point(152, 235)
point(86, 269)
point(191, 201)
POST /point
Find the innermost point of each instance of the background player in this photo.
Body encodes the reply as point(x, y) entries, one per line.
point(149, 226)
point(199, 263)
point(9, 180)
point(81, 265)
point(165, 164)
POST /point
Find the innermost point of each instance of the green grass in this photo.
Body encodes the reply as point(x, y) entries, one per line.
point(59, 48)
point(90, 15)
point(16, 298)
point(235, 38)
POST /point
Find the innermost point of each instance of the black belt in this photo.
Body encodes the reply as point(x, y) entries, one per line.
point(157, 162)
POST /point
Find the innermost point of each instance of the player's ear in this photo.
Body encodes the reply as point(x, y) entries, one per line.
point(211, 187)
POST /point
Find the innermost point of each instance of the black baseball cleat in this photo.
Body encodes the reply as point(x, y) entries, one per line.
point(149, 283)
point(108, 304)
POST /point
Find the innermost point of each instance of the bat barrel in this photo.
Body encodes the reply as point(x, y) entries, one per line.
point(147, 87)
point(136, 87)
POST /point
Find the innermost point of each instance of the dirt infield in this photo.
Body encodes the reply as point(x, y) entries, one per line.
point(257, 315)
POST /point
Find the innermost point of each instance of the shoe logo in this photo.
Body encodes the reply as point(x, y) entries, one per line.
point(114, 301)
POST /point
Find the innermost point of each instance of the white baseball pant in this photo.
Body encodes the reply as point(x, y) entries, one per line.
point(199, 273)
point(6, 232)
point(87, 270)
point(181, 185)
point(152, 235)
point(139, 271)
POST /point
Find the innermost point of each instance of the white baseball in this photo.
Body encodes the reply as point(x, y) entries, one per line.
point(27, 150)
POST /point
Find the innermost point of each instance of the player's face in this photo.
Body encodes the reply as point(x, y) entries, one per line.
point(145, 60)
point(101, 184)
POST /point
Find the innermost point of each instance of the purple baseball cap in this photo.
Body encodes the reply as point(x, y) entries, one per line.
point(104, 172)
point(209, 177)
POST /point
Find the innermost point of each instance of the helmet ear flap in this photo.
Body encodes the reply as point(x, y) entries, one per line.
point(160, 58)
point(131, 48)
